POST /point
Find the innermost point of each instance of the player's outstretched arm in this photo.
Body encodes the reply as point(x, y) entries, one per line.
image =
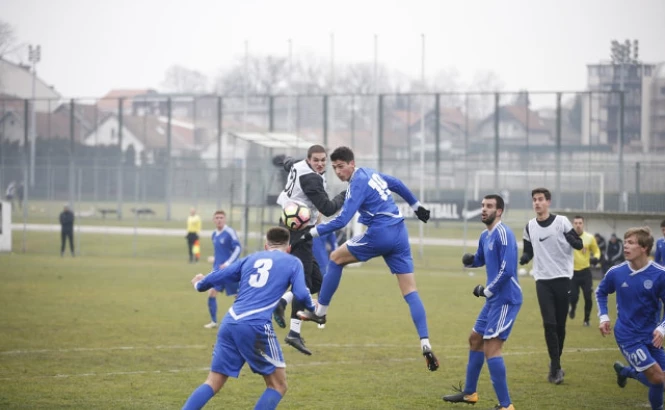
point(229, 274)
point(312, 186)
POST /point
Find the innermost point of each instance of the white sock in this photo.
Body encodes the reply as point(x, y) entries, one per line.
point(321, 310)
point(425, 342)
point(295, 325)
point(288, 297)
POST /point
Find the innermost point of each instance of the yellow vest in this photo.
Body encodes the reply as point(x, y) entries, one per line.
point(194, 224)
point(581, 257)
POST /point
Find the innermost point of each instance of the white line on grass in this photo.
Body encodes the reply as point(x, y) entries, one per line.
point(100, 349)
point(309, 364)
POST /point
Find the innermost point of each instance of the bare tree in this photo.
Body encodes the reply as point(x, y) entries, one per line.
point(7, 38)
point(481, 99)
point(184, 80)
point(266, 75)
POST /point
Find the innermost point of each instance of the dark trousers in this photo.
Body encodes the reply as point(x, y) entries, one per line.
point(191, 238)
point(553, 297)
point(313, 278)
point(582, 279)
point(64, 235)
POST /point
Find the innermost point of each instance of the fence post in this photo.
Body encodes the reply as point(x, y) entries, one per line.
point(219, 152)
point(167, 182)
point(557, 154)
point(26, 167)
point(120, 158)
point(437, 140)
point(72, 147)
point(325, 121)
point(497, 98)
point(379, 119)
point(637, 186)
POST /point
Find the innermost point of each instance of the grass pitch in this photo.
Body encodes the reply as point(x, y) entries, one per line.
point(116, 332)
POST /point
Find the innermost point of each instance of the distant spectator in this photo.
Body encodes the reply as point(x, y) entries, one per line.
point(602, 245)
point(193, 232)
point(614, 251)
point(20, 192)
point(66, 230)
point(659, 256)
point(10, 192)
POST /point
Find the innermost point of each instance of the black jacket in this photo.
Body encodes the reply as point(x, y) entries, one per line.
point(67, 220)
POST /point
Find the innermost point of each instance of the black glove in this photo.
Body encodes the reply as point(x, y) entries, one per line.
point(593, 261)
point(524, 259)
point(306, 236)
point(479, 291)
point(422, 214)
point(467, 259)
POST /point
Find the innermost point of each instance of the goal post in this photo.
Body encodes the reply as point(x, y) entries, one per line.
point(589, 184)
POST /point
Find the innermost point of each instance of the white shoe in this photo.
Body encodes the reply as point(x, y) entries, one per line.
point(210, 325)
point(323, 326)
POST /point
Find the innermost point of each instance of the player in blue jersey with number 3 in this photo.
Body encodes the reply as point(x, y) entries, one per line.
point(639, 285)
point(370, 194)
point(246, 334)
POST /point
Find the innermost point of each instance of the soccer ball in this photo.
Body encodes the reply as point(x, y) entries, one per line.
point(295, 216)
point(521, 272)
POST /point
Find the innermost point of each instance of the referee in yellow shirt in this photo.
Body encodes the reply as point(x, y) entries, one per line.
point(582, 261)
point(193, 232)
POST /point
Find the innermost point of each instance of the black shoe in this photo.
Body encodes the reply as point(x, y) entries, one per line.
point(556, 377)
point(461, 397)
point(431, 360)
point(586, 323)
point(278, 313)
point(571, 314)
point(294, 340)
point(621, 380)
point(311, 316)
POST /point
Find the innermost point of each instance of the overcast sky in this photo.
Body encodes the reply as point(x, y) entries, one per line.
point(90, 47)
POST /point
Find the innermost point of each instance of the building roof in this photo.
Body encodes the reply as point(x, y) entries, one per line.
point(109, 102)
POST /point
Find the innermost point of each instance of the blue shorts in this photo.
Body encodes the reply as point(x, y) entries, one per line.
point(239, 342)
point(230, 288)
point(641, 355)
point(391, 242)
point(496, 320)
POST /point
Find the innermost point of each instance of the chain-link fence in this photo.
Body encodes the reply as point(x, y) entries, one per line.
point(156, 155)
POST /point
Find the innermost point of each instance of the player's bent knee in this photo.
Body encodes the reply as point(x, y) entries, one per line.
point(277, 381)
point(216, 381)
point(476, 341)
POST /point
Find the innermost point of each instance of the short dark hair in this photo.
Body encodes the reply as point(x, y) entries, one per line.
point(278, 236)
point(499, 201)
point(578, 217)
point(544, 191)
point(342, 154)
point(662, 223)
point(315, 149)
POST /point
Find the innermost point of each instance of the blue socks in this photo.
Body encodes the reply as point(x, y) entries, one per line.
point(473, 368)
point(417, 312)
point(212, 307)
point(498, 377)
point(330, 283)
point(199, 397)
point(268, 400)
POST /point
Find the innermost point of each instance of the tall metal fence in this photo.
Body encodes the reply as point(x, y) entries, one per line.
point(590, 149)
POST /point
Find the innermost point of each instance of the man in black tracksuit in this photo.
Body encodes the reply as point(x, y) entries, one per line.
point(66, 230)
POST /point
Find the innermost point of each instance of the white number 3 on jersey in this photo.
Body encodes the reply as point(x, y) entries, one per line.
point(380, 185)
point(259, 279)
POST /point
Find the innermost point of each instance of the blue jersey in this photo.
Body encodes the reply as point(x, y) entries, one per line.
point(497, 251)
point(264, 277)
point(659, 257)
point(370, 194)
point(638, 297)
point(226, 245)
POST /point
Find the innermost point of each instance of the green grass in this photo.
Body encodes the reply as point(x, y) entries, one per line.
point(113, 332)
